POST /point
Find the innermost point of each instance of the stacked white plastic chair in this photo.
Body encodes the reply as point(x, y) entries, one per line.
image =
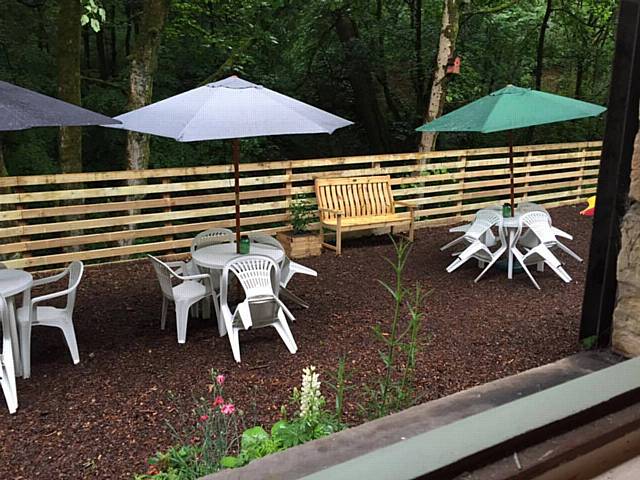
point(7, 370)
point(529, 239)
point(539, 225)
point(259, 277)
point(489, 238)
point(189, 290)
point(31, 314)
point(288, 268)
point(476, 248)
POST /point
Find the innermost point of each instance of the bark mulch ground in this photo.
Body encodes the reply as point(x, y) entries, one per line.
point(104, 417)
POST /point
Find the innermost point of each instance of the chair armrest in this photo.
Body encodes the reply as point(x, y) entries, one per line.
point(331, 210)
point(561, 233)
point(50, 296)
point(199, 276)
point(51, 279)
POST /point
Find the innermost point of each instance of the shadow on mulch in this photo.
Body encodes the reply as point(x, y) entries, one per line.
point(104, 417)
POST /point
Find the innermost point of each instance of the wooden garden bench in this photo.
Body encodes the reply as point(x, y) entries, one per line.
point(358, 203)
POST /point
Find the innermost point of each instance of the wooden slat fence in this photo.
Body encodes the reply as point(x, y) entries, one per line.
point(43, 222)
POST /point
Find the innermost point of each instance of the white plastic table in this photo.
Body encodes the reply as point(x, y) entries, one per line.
point(12, 283)
point(510, 224)
point(216, 256)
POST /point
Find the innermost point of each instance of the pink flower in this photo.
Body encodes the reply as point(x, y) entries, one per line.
point(220, 379)
point(218, 401)
point(228, 409)
point(204, 418)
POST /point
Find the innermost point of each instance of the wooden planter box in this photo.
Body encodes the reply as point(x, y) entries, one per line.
point(301, 245)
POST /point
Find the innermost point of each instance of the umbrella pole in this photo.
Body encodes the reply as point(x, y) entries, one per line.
point(513, 206)
point(235, 149)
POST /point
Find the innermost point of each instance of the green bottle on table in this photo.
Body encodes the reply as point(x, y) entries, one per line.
point(506, 210)
point(244, 245)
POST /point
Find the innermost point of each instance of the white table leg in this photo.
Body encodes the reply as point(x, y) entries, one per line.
point(15, 343)
point(510, 266)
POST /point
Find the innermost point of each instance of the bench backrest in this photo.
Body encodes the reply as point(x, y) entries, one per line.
point(355, 196)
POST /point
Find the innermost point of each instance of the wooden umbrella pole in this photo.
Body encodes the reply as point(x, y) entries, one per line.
point(235, 149)
point(513, 206)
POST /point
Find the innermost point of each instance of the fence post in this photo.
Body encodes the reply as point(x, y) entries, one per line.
point(167, 209)
point(527, 175)
point(22, 222)
point(583, 160)
point(463, 170)
point(288, 186)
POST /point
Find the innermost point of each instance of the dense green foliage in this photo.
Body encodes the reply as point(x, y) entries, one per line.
point(294, 47)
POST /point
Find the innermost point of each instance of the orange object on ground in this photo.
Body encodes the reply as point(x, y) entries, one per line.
point(591, 207)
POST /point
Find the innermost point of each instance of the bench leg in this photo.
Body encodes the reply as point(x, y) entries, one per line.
point(411, 229)
point(339, 236)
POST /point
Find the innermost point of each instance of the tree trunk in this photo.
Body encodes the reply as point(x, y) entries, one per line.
point(529, 137)
point(144, 60)
point(113, 42)
point(69, 54)
point(446, 48)
point(86, 47)
point(419, 79)
point(540, 50)
point(579, 77)
point(361, 79)
point(103, 63)
point(3, 166)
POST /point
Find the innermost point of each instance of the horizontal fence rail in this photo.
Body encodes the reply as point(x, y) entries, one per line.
point(47, 220)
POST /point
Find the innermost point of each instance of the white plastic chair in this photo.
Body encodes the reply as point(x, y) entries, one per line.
point(31, 315)
point(288, 268)
point(212, 236)
point(7, 370)
point(261, 307)
point(484, 221)
point(538, 224)
point(190, 290)
point(489, 238)
point(530, 239)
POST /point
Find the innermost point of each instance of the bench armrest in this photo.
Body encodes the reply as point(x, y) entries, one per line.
point(331, 210)
point(403, 203)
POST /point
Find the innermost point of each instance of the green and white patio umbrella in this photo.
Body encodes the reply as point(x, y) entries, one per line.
point(510, 108)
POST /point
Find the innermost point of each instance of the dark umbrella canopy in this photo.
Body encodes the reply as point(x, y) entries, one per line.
point(21, 108)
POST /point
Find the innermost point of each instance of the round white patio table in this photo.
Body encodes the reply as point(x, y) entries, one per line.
point(12, 283)
point(216, 256)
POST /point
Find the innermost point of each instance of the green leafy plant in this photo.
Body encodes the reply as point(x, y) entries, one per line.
point(301, 212)
point(340, 387)
point(210, 432)
point(394, 389)
point(311, 422)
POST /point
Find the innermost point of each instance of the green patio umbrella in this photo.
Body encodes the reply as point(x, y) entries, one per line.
point(510, 108)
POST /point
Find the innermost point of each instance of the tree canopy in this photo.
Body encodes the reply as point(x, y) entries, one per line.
point(371, 61)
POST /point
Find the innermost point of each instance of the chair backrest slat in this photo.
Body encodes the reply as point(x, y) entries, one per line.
point(355, 196)
point(212, 236)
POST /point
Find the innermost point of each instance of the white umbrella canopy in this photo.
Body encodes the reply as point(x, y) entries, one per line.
point(231, 108)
